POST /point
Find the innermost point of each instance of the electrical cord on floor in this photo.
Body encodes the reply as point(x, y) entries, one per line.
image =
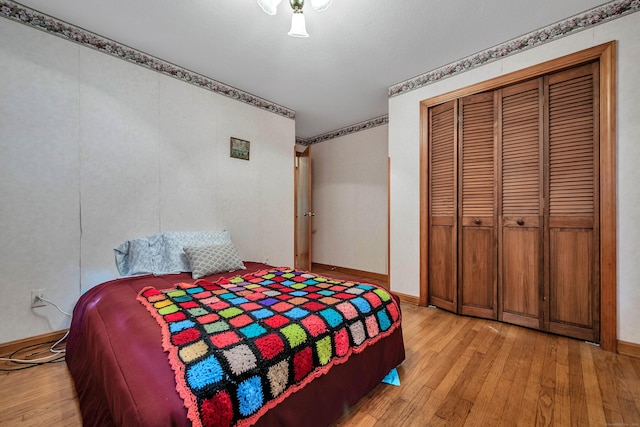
point(60, 358)
point(57, 355)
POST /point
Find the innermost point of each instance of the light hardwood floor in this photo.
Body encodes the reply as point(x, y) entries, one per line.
point(458, 371)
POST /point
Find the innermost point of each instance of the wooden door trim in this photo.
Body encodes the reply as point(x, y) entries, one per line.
point(310, 204)
point(608, 197)
point(388, 222)
point(424, 205)
point(606, 54)
point(295, 206)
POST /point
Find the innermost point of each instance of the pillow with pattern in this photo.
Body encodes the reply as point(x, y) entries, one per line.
point(175, 260)
point(206, 260)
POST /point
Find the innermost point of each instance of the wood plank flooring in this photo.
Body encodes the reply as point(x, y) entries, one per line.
point(458, 371)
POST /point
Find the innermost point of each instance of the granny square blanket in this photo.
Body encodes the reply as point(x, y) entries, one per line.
point(240, 346)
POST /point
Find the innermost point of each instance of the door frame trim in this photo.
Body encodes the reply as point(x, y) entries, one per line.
point(606, 54)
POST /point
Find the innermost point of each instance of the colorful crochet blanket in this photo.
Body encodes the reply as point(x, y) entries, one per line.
point(240, 346)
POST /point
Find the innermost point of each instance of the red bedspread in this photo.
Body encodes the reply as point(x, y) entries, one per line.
point(123, 376)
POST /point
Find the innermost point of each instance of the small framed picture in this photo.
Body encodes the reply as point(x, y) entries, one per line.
point(239, 148)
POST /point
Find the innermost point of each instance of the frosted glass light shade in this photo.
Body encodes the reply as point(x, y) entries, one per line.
point(269, 6)
point(298, 26)
point(321, 5)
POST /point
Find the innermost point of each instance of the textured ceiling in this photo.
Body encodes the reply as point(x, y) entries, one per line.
point(337, 77)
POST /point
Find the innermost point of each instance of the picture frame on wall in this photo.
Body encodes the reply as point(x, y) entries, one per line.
point(239, 148)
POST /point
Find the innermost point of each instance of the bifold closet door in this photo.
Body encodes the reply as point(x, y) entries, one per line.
point(521, 238)
point(477, 252)
point(514, 204)
point(573, 284)
point(442, 206)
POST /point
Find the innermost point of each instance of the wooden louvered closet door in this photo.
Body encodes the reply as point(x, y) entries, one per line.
point(442, 206)
point(521, 208)
point(514, 204)
point(476, 207)
point(572, 288)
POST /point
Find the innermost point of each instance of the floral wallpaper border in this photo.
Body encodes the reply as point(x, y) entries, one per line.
point(367, 124)
point(19, 13)
point(582, 21)
point(607, 12)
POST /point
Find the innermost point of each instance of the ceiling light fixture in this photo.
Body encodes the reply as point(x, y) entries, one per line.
point(298, 26)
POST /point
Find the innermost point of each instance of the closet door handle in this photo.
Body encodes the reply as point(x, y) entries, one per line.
point(477, 221)
point(520, 221)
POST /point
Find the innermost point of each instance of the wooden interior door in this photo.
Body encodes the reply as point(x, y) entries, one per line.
point(477, 252)
point(442, 206)
point(520, 278)
point(572, 288)
point(304, 214)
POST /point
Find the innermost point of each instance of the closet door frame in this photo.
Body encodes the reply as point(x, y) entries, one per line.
point(606, 55)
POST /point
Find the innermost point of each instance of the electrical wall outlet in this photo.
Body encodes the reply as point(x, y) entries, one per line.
point(35, 298)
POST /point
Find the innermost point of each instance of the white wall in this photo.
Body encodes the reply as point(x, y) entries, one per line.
point(95, 150)
point(404, 149)
point(350, 200)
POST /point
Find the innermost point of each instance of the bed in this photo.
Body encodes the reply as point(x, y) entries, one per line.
point(124, 376)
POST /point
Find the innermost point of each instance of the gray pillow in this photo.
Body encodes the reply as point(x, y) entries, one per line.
point(206, 260)
point(175, 260)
